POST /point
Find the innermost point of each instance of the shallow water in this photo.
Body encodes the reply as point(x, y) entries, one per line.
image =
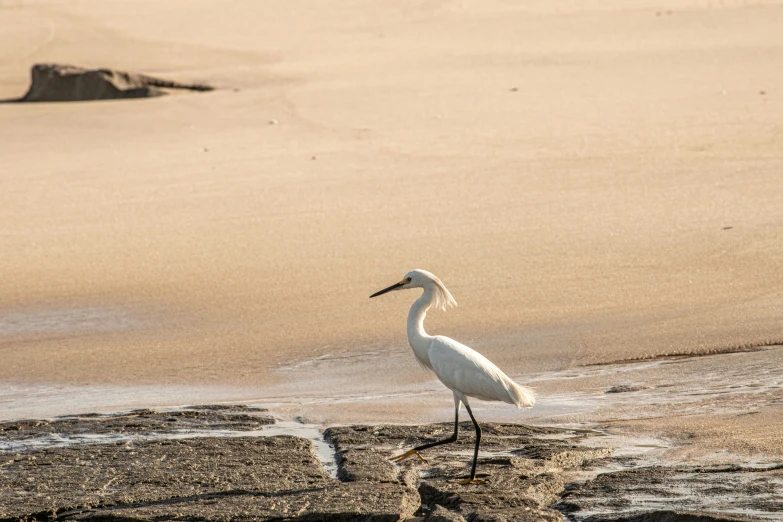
point(322, 391)
point(37, 401)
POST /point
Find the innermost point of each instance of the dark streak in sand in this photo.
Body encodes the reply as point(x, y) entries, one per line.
point(767, 345)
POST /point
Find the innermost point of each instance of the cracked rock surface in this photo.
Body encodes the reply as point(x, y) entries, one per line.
point(269, 478)
point(524, 473)
point(203, 478)
point(99, 467)
point(648, 495)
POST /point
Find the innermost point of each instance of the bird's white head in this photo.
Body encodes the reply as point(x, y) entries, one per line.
point(429, 282)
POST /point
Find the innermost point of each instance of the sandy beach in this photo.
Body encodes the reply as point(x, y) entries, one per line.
point(600, 186)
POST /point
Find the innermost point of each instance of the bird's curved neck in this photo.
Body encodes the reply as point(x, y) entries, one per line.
point(417, 337)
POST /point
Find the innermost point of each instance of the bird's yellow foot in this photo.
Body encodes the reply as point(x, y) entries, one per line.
point(465, 482)
point(408, 454)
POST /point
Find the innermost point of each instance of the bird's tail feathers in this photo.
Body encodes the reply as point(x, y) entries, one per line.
point(523, 397)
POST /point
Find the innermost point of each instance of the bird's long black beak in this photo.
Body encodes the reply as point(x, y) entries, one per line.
point(392, 287)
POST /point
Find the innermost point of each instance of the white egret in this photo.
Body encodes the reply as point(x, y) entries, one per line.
point(463, 370)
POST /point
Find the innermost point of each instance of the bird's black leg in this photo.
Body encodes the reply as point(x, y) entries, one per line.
point(453, 437)
point(475, 452)
point(415, 451)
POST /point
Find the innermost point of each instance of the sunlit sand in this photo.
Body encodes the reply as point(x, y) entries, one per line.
point(593, 183)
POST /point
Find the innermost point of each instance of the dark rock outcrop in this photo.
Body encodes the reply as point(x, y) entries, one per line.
point(250, 478)
point(59, 83)
point(197, 463)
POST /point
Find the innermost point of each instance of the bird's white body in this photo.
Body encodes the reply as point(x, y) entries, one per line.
point(462, 369)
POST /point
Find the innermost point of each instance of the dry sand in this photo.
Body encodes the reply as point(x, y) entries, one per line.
point(594, 182)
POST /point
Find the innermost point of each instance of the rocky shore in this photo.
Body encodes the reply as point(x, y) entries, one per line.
point(215, 463)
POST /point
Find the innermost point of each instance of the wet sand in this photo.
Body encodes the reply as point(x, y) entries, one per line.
point(594, 184)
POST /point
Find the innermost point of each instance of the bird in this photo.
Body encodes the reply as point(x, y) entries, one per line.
point(463, 370)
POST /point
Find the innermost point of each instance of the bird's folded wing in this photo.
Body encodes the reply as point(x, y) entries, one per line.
point(465, 370)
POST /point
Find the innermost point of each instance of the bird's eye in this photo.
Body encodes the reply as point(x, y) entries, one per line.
point(407, 280)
